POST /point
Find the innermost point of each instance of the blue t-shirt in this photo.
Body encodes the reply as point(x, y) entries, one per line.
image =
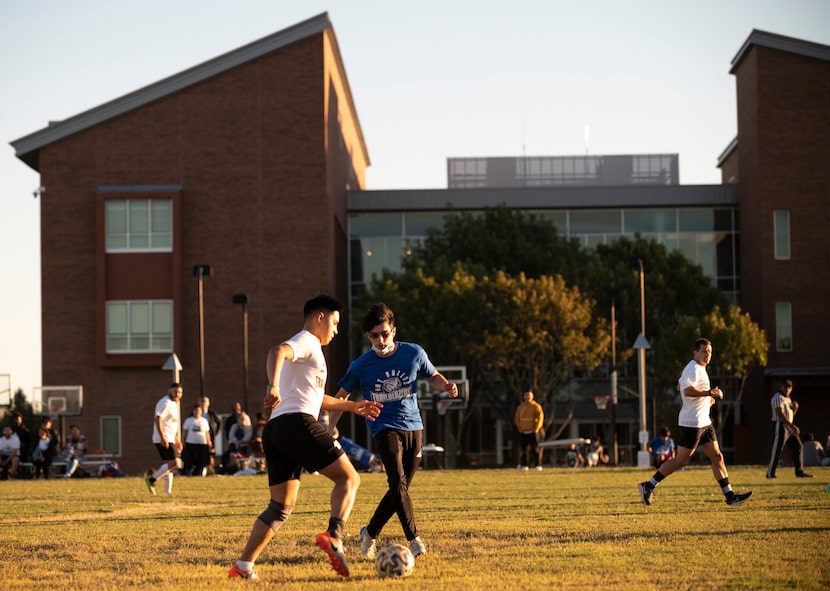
point(392, 381)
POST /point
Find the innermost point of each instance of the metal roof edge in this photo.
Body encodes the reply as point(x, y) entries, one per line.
point(635, 196)
point(26, 145)
point(782, 43)
point(731, 147)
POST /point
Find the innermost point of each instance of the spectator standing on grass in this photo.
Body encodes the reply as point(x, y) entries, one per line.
point(166, 438)
point(74, 451)
point(215, 424)
point(388, 373)
point(661, 448)
point(9, 453)
point(696, 428)
point(45, 449)
point(24, 435)
point(529, 419)
point(294, 440)
point(785, 432)
point(197, 443)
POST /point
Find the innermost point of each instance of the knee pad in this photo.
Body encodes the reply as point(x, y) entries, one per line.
point(276, 514)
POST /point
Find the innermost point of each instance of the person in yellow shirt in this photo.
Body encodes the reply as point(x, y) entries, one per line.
point(529, 420)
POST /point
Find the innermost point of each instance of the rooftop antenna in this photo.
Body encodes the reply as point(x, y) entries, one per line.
point(587, 139)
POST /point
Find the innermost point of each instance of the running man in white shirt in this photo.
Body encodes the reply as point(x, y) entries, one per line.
point(294, 439)
point(696, 428)
point(166, 438)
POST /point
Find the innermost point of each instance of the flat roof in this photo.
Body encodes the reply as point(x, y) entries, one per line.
point(594, 197)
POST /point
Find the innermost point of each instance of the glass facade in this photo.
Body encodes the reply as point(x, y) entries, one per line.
point(706, 236)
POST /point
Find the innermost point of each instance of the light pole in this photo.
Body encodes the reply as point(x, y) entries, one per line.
point(641, 344)
point(242, 298)
point(614, 397)
point(200, 272)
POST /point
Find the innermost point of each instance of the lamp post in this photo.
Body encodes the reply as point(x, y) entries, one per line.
point(242, 298)
point(641, 344)
point(614, 397)
point(200, 272)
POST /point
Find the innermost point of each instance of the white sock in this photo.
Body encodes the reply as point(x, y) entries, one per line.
point(245, 566)
point(164, 469)
point(168, 483)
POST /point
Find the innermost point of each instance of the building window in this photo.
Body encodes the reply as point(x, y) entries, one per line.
point(781, 220)
point(139, 225)
point(140, 326)
point(111, 434)
point(783, 326)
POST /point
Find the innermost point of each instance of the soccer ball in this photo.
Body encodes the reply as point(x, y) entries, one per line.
point(394, 560)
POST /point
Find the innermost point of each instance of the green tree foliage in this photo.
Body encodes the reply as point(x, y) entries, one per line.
point(520, 331)
point(24, 407)
point(674, 287)
point(499, 239)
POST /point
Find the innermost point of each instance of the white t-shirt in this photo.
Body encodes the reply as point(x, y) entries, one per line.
point(303, 379)
point(168, 410)
point(7, 446)
point(695, 410)
point(197, 430)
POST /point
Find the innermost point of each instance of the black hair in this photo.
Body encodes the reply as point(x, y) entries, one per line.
point(378, 314)
point(322, 303)
point(701, 342)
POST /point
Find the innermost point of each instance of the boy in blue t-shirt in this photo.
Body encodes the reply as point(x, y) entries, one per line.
point(388, 373)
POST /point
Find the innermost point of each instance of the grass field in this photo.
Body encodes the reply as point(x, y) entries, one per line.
point(484, 529)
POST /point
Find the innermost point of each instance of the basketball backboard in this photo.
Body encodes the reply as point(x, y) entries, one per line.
point(5, 390)
point(454, 373)
point(56, 401)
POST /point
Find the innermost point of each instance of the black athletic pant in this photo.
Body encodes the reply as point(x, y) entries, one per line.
point(780, 438)
point(400, 452)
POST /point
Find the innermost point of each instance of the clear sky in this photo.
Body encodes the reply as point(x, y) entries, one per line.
point(431, 79)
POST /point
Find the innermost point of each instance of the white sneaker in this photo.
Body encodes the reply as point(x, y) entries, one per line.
point(416, 546)
point(538, 468)
point(367, 543)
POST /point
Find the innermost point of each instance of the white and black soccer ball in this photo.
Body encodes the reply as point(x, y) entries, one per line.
point(394, 560)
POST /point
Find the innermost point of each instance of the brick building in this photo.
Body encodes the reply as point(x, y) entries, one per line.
point(253, 163)
point(781, 162)
point(240, 163)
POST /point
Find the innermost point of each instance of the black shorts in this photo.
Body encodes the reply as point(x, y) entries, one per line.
point(296, 441)
point(167, 453)
point(691, 437)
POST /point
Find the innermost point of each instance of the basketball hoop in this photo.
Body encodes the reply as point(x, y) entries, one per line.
point(443, 405)
point(601, 402)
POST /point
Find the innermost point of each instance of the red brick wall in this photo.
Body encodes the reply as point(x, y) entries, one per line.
point(783, 123)
point(258, 205)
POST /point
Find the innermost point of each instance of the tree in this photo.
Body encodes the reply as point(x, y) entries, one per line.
point(499, 239)
point(536, 333)
point(512, 333)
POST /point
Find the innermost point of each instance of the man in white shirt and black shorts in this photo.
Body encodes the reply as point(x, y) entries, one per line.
point(696, 428)
point(294, 439)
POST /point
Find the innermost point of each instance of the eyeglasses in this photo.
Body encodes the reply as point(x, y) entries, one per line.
point(378, 335)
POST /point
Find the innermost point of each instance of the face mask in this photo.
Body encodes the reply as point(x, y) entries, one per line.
point(387, 349)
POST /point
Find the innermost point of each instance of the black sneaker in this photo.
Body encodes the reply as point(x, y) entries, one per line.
point(803, 475)
point(646, 492)
point(736, 499)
